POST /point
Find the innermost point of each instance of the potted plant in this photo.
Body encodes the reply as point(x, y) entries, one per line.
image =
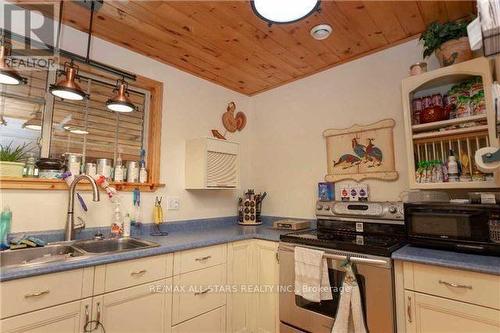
point(11, 164)
point(448, 40)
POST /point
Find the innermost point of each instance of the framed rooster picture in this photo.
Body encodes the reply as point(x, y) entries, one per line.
point(361, 152)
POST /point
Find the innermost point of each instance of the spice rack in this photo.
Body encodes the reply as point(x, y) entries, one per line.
point(433, 141)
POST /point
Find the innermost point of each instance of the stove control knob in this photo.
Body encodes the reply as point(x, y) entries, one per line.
point(319, 207)
point(393, 209)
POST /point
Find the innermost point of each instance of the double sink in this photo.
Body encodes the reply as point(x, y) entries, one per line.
point(68, 251)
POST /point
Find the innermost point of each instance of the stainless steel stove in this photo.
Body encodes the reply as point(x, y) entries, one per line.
point(366, 233)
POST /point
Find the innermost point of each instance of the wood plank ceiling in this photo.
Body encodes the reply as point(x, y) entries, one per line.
point(224, 42)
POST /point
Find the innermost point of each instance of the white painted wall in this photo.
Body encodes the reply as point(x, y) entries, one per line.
point(290, 152)
point(192, 107)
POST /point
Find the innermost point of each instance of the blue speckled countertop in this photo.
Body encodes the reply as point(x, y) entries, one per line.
point(182, 236)
point(465, 261)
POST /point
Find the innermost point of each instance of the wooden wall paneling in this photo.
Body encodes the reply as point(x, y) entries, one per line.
point(409, 16)
point(385, 19)
point(178, 36)
point(276, 39)
point(433, 11)
point(254, 54)
point(363, 23)
point(225, 43)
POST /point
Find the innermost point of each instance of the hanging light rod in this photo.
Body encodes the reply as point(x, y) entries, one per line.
point(67, 54)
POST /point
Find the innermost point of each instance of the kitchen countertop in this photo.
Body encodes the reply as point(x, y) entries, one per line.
point(184, 237)
point(465, 261)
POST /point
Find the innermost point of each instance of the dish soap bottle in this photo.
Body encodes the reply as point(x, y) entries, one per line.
point(5, 224)
point(117, 222)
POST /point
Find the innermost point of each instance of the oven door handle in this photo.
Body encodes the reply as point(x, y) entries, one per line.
point(352, 259)
point(356, 259)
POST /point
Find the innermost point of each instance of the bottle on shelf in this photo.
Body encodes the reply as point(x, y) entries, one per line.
point(118, 171)
point(452, 168)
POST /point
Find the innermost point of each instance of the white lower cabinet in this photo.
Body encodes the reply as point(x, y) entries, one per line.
point(431, 314)
point(240, 272)
point(253, 264)
point(144, 308)
point(433, 299)
point(142, 295)
point(211, 322)
point(66, 318)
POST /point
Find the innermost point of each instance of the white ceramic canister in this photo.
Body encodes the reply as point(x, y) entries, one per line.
point(104, 167)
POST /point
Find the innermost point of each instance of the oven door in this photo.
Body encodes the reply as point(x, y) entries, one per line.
point(375, 278)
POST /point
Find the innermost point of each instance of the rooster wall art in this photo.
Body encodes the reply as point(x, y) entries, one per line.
point(361, 152)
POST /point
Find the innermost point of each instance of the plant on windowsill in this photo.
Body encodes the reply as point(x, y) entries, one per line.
point(11, 160)
point(448, 40)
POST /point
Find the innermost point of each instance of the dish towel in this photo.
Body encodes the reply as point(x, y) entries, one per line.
point(349, 318)
point(311, 275)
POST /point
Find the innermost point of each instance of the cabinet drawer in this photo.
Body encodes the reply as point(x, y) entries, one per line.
point(191, 260)
point(33, 293)
point(194, 292)
point(465, 286)
point(210, 322)
point(133, 272)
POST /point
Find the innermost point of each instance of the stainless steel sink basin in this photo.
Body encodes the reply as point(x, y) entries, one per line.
point(113, 245)
point(39, 255)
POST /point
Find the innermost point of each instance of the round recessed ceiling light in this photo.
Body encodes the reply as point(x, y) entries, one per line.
point(321, 31)
point(284, 11)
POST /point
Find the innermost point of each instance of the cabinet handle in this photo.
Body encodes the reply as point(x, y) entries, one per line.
point(38, 293)
point(202, 292)
point(408, 310)
point(455, 285)
point(87, 315)
point(203, 258)
point(141, 272)
point(98, 316)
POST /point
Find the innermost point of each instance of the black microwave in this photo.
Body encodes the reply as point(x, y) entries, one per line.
point(472, 228)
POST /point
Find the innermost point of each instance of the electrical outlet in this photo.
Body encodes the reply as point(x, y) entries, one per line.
point(173, 203)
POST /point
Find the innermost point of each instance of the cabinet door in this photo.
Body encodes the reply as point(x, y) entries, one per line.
point(267, 278)
point(431, 314)
point(211, 322)
point(144, 308)
point(66, 318)
point(240, 273)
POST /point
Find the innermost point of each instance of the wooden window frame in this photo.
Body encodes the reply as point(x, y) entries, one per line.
point(153, 120)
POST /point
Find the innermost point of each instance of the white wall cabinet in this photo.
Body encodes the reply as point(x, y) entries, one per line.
point(212, 164)
point(433, 299)
point(254, 264)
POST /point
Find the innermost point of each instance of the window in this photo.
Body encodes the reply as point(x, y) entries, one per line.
point(21, 112)
point(51, 127)
point(88, 128)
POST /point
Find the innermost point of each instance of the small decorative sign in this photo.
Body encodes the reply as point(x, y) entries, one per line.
point(361, 152)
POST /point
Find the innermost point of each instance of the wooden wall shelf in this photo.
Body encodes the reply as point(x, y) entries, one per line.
point(57, 184)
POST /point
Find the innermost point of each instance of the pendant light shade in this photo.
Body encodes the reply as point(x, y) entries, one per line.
point(121, 102)
point(284, 11)
point(8, 75)
point(34, 123)
point(67, 88)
